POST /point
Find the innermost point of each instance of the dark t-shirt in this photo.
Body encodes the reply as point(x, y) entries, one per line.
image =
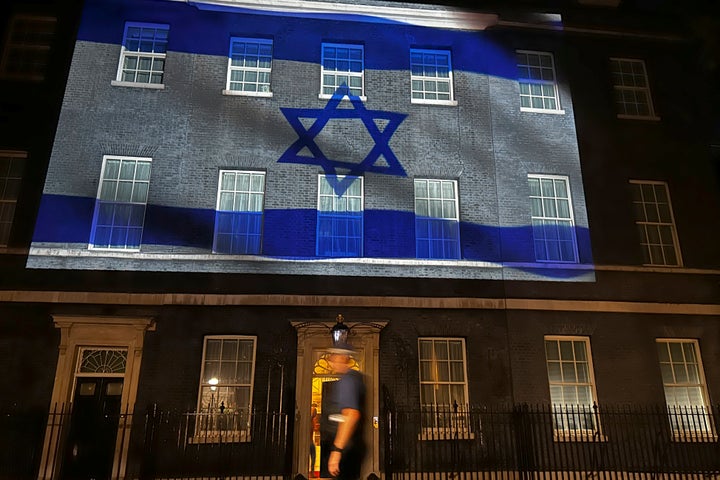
point(348, 392)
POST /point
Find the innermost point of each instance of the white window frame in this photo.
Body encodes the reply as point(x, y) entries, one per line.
point(581, 434)
point(455, 201)
point(322, 178)
point(460, 424)
point(632, 88)
point(14, 46)
point(695, 412)
point(213, 435)
point(245, 69)
point(250, 192)
point(644, 223)
point(336, 73)
point(91, 246)
point(437, 79)
point(533, 81)
point(124, 52)
point(571, 208)
point(5, 200)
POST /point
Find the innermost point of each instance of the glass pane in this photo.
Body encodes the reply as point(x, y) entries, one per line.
point(551, 350)
point(426, 349)
point(441, 350)
point(554, 374)
point(566, 350)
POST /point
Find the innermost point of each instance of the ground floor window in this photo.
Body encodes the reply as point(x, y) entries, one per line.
point(226, 386)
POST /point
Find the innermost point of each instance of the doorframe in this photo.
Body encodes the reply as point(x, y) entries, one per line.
point(100, 332)
point(312, 336)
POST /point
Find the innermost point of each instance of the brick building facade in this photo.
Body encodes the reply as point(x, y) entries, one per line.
point(523, 202)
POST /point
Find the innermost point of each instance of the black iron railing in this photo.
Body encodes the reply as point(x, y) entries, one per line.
point(435, 443)
point(565, 441)
point(149, 444)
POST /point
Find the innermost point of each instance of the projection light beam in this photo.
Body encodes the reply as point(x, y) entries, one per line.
point(306, 139)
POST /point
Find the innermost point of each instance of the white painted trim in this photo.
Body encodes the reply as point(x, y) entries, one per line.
point(151, 86)
point(444, 17)
point(77, 253)
point(542, 110)
point(420, 101)
point(237, 93)
point(464, 303)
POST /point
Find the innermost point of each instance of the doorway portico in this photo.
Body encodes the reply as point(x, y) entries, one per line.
point(313, 341)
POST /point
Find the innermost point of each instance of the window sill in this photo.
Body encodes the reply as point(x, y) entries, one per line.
point(323, 96)
point(448, 103)
point(237, 93)
point(587, 436)
point(651, 118)
point(438, 434)
point(220, 437)
point(123, 250)
point(542, 110)
point(694, 437)
point(152, 86)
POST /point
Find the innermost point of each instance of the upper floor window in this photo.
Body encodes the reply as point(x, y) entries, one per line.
point(443, 384)
point(437, 230)
point(431, 76)
point(11, 167)
point(655, 223)
point(239, 213)
point(538, 85)
point(226, 388)
point(685, 391)
point(572, 385)
point(343, 65)
point(27, 47)
point(249, 67)
point(632, 91)
point(340, 218)
point(120, 207)
point(553, 225)
point(142, 58)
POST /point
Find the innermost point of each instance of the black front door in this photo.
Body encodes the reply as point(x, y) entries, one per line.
point(93, 427)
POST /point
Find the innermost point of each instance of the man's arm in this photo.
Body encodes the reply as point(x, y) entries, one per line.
point(342, 438)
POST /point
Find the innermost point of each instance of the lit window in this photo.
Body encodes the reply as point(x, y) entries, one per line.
point(632, 92)
point(655, 223)
point(11, 167)
point(121, 201)
point(142, 58)
point(27, 47)
point(572, 385)
point(342, 65)
point(685, 392)
point(340, 217)
point(226, 389)
point(239, 214)
point(431, 76)
point(437, 230)
point(249, 67)
point(552, 219)
point(443, 383)
point(536, 76)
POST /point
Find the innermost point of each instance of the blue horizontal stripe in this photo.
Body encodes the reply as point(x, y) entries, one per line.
point(291, 233)
point(298, 39)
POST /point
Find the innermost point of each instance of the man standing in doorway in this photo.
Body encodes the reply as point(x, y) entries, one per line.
point(347, 448)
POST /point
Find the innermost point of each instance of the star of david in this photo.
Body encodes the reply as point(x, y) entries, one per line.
point(306, 139)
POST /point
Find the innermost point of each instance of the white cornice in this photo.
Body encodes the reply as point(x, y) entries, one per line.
point(437, 17)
